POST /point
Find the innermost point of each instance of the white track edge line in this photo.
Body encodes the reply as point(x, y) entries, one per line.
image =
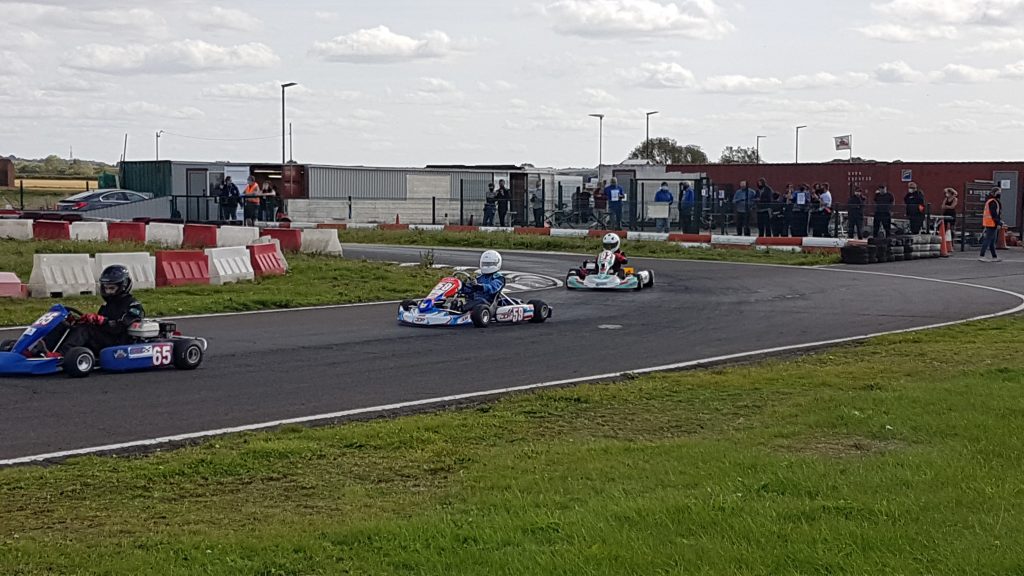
point(541, 385)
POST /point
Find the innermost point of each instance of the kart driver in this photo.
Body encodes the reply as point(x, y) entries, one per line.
point(612, 242)
point(488, 284)
point(108, 327)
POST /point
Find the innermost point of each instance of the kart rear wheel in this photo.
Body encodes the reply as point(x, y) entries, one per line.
point(408, 305)
point(481, 316)
point(650, 282)
point(7, 345)
point(78, 362)
point(541, 311)
point(188, 354)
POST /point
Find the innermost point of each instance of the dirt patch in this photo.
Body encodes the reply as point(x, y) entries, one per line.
point(843, 447)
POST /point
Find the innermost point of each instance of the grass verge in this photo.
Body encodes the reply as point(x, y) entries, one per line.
point(899, 456)
point(36, 198)
point(503, 241)
point(311, 281)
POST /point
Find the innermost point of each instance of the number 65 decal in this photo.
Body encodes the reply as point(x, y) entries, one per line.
point(162, 354)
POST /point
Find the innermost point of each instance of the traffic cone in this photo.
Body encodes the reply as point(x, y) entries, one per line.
point(1001, 238)
point(397, 220)
point(946, 245)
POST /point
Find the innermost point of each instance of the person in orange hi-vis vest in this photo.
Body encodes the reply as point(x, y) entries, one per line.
point(991, 220)
point(252, 201)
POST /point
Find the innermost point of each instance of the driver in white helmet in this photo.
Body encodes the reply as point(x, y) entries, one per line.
point(612, 242)
point(488, 283)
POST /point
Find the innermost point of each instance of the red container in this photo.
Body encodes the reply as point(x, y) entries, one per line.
point(290, 238)
point(182, 268)
point(51, 230)
point(266, 261)
point(199, 236)
point(126, 232)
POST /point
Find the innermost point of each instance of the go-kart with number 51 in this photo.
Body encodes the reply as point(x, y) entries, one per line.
point(153, 345)
point(461, 299)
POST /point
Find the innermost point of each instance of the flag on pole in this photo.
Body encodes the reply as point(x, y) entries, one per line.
point(844, 142)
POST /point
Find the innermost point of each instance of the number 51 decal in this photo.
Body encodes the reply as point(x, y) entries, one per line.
point(162, 354)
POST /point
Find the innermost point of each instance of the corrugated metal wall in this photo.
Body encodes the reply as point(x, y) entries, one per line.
point(326, 183)
point(147, 176)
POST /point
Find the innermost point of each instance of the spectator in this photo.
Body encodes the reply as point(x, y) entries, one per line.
point(764, 208)
point(743, 200)
point(503, 197)
point(687, 201)
point(855, 214)
point(991, 220)
point(268, 202)
point(801, 206)
point(664, 196)
point(824, 211)
point(884, 201)
point(252, 201)
point(915, 207)
point(490, 205)
point(228, 196)
point(616, 196)
point(949, 205)
point(601, 202)
point(782, 211)
point(537, 203)
point(584, 209)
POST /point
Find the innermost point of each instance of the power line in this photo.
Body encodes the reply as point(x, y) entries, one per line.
point(221, 139)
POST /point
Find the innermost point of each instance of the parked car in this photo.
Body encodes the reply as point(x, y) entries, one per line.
point(102, 198)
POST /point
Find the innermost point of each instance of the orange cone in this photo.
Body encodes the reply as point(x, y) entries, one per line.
point(397, 220)
point(1001, 238)
point(946, 245)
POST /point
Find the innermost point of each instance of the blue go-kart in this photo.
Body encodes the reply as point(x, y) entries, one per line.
point(154, 345)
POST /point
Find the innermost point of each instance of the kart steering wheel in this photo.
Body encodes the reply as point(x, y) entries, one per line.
point(75, 313)
point(465, 277)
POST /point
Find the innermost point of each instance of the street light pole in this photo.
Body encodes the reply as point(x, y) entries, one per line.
point(600, 138)
point(647, 141)
point(283, 127)
point(798, 143)
point(158, 144)
point(758, 148)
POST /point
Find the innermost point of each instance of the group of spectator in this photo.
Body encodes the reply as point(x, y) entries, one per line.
point(496, 200)
point(259, 203)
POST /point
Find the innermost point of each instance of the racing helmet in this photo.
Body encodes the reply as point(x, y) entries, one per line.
point(611, 241)
point(490, 262)
point(115, 281)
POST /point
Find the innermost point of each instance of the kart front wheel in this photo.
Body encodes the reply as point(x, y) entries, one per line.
point(78, 362)
point(639, 282)
point(650, 282)
point(481, 316)
point(541, 311)
point(7, 345)
point(408, 305)
point(188, 354)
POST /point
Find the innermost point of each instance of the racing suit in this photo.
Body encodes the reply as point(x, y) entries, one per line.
point(114, 319)
point(483, 291)
point(620, 261)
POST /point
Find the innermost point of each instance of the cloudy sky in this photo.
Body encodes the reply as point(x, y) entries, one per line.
point(412, 82)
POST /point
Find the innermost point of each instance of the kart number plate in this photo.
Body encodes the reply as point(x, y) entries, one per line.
point(420, 320)
point(162, 354)
point(46, 318)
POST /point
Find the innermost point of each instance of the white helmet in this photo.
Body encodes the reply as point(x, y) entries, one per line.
point(611, 241)
point(490, 262)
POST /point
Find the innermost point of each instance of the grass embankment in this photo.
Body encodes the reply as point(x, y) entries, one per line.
point(504, 241)
point(311, 281)
point(899, 456)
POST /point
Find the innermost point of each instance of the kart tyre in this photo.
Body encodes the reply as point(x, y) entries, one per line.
point(188, 354)
point(481, 316)
point(541, 311)
point(7, 345)
point(78, 362)
point(408, 304)
point(639, 282)
point(650, 283)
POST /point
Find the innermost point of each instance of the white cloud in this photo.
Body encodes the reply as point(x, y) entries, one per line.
point(739, 84)
point(251, 91)
point(956, 12)
point(382, 46)
point(360, 119)
point(141, 109)
point(325, 15)
point(1015, 70)
point(827, 80)
point(62, 17)
point(220, 18)
point(181, 56)
point(901, 33)
point(434, 91)
point(595, 18)
point(21, 39)
point(963, 74)
point(898, 72)
point(958, 126)
point(659, 75)
point(496, 86)
point(1007, 45)
point(14, 65)
point(598, 97)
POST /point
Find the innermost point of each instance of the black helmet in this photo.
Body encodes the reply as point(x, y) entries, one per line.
point(115, 281)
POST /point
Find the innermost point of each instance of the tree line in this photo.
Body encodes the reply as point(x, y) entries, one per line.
point(54, 165)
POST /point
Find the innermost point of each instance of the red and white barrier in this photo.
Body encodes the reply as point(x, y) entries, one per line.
point(266, 260)
point(140, 265)
point(61, 275)
point(162, 234)
point(11, 286)
point(89, 231)
point(16, 230)
point(228, 236)
point(126, 232)
point(321, 242)
point(199, 236)
point(229, 265)
point(182, 268)
point(51, 230)
point(290, 240)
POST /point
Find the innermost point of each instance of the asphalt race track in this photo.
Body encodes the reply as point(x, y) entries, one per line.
point(281, 365)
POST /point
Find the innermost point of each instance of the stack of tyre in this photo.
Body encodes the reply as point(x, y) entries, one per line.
point(894, 249)
point(925, 246)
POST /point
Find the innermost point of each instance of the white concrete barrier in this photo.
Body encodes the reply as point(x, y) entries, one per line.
point(229, 265)
point(321, 242)
point(61, 275)
point(569, 233)
point(360, 226)
point(733, 240)
point(228, 236)
point(169, 235)
point(824, 242)
point(647, 236)
point(427, 227)
point(698, 245)
point(140, 265)
point(16, 229)
point(89, 231)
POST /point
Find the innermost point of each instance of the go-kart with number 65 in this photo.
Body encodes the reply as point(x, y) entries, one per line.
point(445, 305)
point(154, 345)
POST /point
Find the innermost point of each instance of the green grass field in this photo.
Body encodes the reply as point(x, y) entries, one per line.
point(899, 456)
point(501, 241)
point(311, 281)
point(36, 198)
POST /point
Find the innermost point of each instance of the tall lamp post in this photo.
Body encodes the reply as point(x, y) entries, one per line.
point(600, 139)
point(284, 87)
point(758, 148)
point(158, 134)
point(798, 128)
point(647, 141)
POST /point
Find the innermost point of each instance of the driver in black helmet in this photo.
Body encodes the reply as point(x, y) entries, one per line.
point(108, 327)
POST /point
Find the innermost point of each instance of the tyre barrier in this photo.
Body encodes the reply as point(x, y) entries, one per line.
point(893, 249)
point(11, 286)
point(140, 265)
point(229, 265)
point(61, 275)
point(182, 268)
point(51, 230)
point(89, 231)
